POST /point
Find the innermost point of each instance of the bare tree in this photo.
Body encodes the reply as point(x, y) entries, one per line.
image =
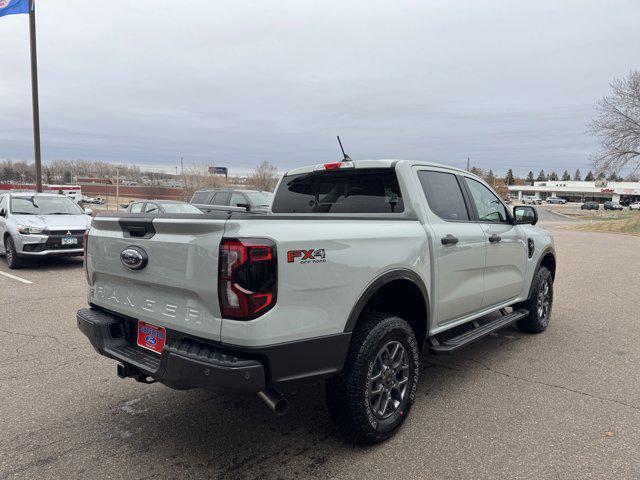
point(617, 126)
point(263, 177)
point(197, 177)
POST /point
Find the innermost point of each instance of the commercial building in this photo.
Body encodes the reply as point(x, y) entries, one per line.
point(574, 191)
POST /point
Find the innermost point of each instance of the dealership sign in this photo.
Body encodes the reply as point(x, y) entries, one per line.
point(218, 171)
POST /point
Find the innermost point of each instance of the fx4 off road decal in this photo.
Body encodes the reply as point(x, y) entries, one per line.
point(306, 256)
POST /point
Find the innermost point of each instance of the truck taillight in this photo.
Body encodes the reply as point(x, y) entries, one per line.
point(85, 242)
point(247, 277)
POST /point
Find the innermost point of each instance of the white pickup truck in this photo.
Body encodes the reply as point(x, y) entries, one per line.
point(358, 267)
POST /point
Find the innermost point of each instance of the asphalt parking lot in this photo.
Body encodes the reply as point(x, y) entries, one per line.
point(563, 404)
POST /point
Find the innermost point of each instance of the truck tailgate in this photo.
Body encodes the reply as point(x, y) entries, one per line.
point(177, 289)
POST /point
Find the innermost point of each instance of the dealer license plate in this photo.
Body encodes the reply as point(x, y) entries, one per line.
point(151, 337)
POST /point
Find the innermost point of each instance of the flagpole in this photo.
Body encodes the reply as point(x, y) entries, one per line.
point(34, 95)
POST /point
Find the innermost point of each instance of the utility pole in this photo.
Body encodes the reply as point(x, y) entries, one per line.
point(184, 183)
point(468, 164)
point(117, 189)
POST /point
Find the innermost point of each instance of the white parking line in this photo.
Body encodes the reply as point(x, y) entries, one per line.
point(8, 275)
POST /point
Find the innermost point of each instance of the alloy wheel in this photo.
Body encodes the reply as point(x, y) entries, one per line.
point(389, 379)
point(8, 252)
point(544, 300)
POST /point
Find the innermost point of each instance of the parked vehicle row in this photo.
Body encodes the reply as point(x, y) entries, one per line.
point(609, 205)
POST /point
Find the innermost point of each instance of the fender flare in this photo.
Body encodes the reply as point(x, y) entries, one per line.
point(381, 281)
point(549, 250)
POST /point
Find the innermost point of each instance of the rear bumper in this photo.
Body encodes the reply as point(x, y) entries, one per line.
point(182, 365)
point(189, 362)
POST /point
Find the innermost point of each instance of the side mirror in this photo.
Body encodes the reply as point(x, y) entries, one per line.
point(525, 215)
point(88, 211)
point(3, 212)
point(245, 206)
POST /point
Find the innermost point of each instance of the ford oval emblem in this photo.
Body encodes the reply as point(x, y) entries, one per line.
point(134, 258)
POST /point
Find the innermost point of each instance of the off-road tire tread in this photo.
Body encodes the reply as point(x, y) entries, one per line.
point(531, 323)
point(343, 392)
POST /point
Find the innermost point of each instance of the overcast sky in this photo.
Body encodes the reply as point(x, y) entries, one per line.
point(509, 84)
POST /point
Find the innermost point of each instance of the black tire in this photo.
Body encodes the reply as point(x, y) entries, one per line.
point(10, 254)
point(539, 304)
point(355, 408)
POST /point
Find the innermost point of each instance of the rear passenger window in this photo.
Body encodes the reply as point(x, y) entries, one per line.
point(444, 195)
point(374, 190)
point(221, 198)
point(200, 197)
point(136, 207)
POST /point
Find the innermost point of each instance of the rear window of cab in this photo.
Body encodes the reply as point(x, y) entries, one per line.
point(373, 190)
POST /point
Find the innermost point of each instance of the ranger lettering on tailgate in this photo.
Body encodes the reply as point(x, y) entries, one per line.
point(148, 305)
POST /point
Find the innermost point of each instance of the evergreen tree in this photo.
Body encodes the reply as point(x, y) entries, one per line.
point(566, 176)
point(553, 176)
point(491, 178)
point(541, 176)
point(589, 177)
point(576, 176)
point(510, 179)
point(530, 178)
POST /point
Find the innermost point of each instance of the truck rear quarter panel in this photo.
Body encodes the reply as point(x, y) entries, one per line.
point(316, 294)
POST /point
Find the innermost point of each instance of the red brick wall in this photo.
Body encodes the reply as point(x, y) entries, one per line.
point(144, 192)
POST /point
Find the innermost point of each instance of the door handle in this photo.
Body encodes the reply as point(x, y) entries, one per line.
point(449, 240)
point(495, 238)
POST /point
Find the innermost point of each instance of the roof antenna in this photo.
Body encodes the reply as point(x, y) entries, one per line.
point(345, 157)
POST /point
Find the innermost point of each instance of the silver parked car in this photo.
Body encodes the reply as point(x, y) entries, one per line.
point(39, 225)
point(218, 199)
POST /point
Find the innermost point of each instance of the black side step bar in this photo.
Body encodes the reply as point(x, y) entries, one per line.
point(479, 331)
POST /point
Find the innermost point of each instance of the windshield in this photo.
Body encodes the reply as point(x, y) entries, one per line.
point(259, 199)
point(180, 208)
point(44, 205)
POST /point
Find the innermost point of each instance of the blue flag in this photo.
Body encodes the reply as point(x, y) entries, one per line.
point(13, 7)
